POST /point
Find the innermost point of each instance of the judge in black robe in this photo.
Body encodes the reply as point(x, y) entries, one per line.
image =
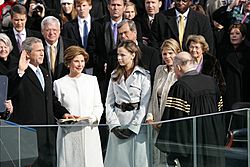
point(193, 94)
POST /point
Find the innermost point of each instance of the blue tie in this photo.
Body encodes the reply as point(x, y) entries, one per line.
point(40, 77)
point(115, 33)
point(85, 34)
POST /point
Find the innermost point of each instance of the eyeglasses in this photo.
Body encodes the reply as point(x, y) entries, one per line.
point(185, 1)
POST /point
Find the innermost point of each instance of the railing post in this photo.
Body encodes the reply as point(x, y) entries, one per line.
point(19, 146)
point(248, 137)
point(194, 142)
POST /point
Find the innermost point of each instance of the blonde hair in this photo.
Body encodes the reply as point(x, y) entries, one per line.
point(171, 44)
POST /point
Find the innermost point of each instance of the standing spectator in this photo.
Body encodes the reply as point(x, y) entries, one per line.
point(206, 63)
point(238, 11)
point(146, 20)
point(182, 21)
point(164, 78)
point(235, 66)
point(99, 8)
point(76, 28)
point(54, 45)
point(126, 106)
point(19, 33)
point(33, 100)
point(193, 94)
point(36, 12)
point(130, 11)
point(80, 94)
point(102, 39)
point(7, 62)
point(68, 11)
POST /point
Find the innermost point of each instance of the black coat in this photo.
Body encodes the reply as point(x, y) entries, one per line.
point(100, 45)
point(236, 70)
point(196, 24)
point(211, 66)
point(33, 106)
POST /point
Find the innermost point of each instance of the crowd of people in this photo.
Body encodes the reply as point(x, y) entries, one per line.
point(124, 63)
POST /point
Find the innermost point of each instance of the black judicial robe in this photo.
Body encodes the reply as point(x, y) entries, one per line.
point(193, 94)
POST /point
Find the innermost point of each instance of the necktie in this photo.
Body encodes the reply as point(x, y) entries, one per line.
point(52, 58)
point(85, 34)
point(19, 42)
point(115, 33)
point(245, 17)
point(151, 22)
point(40, 77)
point(181, 28)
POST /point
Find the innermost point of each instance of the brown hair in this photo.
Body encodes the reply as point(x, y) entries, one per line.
point(131, 4)
point(131, 47)
point(71, 52)
point(240, 26)
point(19, 9)
point(73, 15)
point(198, 39)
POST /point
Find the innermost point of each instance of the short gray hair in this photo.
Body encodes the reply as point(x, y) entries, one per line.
point(131, 24)
point(27, 44)
point(6, 40)
point(48, 20)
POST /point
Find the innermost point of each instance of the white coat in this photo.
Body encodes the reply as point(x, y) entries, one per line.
point(130, 152)
point(79, 146)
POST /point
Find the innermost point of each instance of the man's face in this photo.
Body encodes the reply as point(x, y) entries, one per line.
point(125, 33)
point(83, 9)
point(37, 54)
point(51, 32)
point(19, 21)
point(152, 7)
point(116, 9)
point(182, 5)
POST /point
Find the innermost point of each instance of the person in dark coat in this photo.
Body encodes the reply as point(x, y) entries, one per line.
point(194, 23)
point(75, 29)
point(54, 46)
point(191, 95)
point(7, 62)
point(34, 101)
point(235, 66)
point(18, 19)
point(206, 63)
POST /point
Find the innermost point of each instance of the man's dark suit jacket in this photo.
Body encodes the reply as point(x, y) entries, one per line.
point(60, 68)
point(100, 45)
point(71, 31)
point(33, 106)
point(197, 24)
point(29, 33)
point(144, 29)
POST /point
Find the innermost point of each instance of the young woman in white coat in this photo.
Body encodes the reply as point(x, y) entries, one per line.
point(79, 93)
point(163, 80)
point(126, 106)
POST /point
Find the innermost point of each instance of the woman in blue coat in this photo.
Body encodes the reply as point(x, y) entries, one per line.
point(126, 106)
